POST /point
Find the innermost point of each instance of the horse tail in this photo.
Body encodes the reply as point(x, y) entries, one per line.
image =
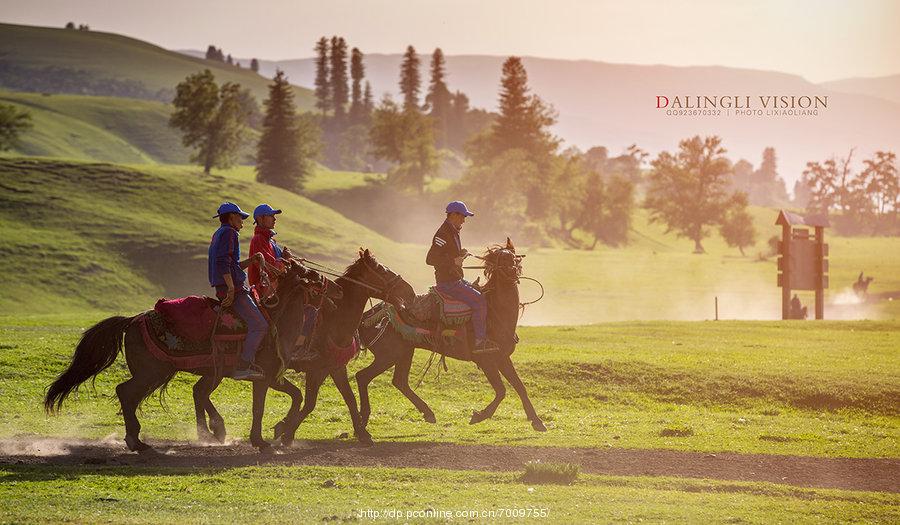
point(97, 350)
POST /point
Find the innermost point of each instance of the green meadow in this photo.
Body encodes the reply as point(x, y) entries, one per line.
point(753, 387)
point(331, 494)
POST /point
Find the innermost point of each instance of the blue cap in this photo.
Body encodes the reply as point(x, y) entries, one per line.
point(459, 207)
point(264, 209)
point(230, 207)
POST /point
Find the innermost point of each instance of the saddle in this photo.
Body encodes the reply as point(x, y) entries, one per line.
point(190, 333)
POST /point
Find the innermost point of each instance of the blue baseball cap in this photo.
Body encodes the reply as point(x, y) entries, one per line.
point(264, 209)
point(459, 207)
point(230, 207)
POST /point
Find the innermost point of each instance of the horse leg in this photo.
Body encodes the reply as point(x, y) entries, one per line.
point(216, 422)
point(384, 359)
point(147, 374)
point(314, 380)
point(260, 389)
point(493, 376)
point(401, 382)
point(296, 395)
point(342, 382)
point(201, 391)
point(508, 369)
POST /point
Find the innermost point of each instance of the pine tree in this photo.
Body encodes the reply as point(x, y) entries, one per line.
point(524, 119)
point(438, 98)
point(357, 72)
point(254, 65)
point(211, 52)
point(368, 100)
point(288, 144)
point(229, 60)
point(338, 83)
point(410, 84)
point(323, 91)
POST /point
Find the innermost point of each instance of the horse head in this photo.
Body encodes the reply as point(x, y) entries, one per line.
point(379, 281)
point(501, 264)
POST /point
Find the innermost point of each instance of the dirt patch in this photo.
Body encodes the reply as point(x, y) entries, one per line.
point(870, 474)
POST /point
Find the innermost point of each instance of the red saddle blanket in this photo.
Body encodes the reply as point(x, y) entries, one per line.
point(194, 318)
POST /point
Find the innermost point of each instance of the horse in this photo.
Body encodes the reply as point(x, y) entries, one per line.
point(502, 269)
point(861, 286)
point(364, 279)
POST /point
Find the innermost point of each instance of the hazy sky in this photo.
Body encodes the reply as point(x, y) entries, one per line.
point(819, 39)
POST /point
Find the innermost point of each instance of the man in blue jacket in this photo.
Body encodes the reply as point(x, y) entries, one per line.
point(226, 275)
point(446, 255)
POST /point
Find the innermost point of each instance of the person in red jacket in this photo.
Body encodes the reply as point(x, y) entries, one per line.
point(263, 242)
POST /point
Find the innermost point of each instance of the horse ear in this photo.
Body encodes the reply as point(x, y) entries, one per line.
point(509, 244)
point(366, 253)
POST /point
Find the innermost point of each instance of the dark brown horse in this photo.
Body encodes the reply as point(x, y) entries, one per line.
point(364, 279)
point(501, 292)
point(100, 345)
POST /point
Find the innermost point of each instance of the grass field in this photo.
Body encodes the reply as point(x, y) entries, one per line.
point(774, 388)
point(112, 56)
point(323, 494)
point(771, 388)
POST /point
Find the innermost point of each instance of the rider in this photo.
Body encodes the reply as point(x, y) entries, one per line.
point(226, 275)
point(446, 255)
point(263, 242)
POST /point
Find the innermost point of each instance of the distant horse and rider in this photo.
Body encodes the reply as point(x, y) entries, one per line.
point(286, 315)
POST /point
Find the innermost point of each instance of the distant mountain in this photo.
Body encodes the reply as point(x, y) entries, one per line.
point(887, 88)
point(56, 60)
point(614, 105)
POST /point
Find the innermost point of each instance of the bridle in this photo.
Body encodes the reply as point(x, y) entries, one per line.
point(382, 292)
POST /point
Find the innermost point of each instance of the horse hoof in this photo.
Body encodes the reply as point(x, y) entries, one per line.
point(260, 444)
point(429, 418)
point(538, 425)
point(136, 445)
point(286, 441)
point(365, 438)
point(266, 450)
point(206, 437)
point(218, 430)
point(477, 417)
point(279, 429)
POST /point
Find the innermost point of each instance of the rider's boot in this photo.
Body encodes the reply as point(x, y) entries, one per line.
point(485, 346)
point(247, 371)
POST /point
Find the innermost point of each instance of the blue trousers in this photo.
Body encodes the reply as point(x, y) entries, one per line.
point(463, 291)
point(257, 326)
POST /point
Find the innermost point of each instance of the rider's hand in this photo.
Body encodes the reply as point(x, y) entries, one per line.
point(458, 261)
point(229, 298)
point(464, 252)
point(260, 260)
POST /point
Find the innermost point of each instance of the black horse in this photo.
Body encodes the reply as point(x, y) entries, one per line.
point(502, 269)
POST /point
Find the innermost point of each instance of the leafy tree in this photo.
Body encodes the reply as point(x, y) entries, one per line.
point(70, 25)
point(766, 188)
point(404, 138)
point(254, 65)
point(688, 191)
point(737, 226)
point(438, 98)
point(323, 89)
point(213, 53)
point(212, 120)
point(288, 145)
point(338, 81)
point(828, 183)
point(13, 122)
point(410, 84)
point(884, 187)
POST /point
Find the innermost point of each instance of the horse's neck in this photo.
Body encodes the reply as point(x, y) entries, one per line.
point(503, 301)
point(348, 313)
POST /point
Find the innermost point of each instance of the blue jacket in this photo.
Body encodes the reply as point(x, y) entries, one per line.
point(225, 257)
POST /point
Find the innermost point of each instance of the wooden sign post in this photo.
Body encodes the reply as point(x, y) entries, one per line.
point(803, 264)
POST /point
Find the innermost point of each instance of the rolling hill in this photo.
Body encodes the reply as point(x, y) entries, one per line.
point(105, 129)
point(42, 56)
point(103, 237)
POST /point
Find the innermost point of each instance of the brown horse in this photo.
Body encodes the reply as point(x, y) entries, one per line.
point(364, 279)
point(100, 345)
point(502, 269)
